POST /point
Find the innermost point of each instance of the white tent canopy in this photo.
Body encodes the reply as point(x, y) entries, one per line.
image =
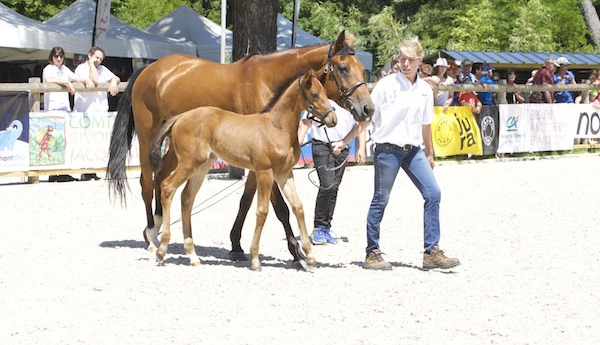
point(186, 24)
point(122, 40)
point(23, 39)
point(303, 38)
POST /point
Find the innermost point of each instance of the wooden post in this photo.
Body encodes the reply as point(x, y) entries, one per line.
point(502, 94)
point(34, 106)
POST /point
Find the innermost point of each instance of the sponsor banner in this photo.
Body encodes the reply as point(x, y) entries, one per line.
point(588, 121)
point(73, 140)
point(487, 120)
point(14, 131)
point(536, 127)
point(455, 132)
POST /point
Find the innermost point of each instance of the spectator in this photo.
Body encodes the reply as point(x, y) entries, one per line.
point(394, 64)
point(380, 73)
point(57, 73)
point(513, 97)
point(593, 94)
point(95, 101)
point(440, 70)
point(477, 71)
point(330, 167)
point(544, 77)
point(469, 99)
point(563, 77)
point(465, 71)
point(487, 72)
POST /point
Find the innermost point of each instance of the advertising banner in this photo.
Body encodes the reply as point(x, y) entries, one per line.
point(14, 131)
point(455, 132)
point(536, 127)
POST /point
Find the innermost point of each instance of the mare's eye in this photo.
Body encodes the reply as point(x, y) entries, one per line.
point(343, 69)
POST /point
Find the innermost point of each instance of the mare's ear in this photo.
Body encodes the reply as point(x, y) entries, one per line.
point(339, 43)
point(350, 40)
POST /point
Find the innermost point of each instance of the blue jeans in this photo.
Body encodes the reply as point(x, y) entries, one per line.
point(330, 169)
point(387, 161)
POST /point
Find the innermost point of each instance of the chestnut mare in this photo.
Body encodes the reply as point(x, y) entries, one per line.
point(178, 83)
point(266, 143)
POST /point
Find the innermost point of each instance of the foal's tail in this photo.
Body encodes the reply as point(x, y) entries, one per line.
point(120, 143)
point(156, 146)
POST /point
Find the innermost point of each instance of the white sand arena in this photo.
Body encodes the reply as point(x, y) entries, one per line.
point(74, 269)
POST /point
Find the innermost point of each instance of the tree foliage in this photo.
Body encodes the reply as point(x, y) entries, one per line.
point(380, 26)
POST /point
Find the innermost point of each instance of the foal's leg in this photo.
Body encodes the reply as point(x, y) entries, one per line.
point(181, 174)
point(264, 182)
point(187, 203)
point(286, 182)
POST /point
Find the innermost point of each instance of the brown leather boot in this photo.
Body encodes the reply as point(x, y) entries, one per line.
point(375, 261)
point(437, 259)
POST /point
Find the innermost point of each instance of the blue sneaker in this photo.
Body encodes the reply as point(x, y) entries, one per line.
point(330, 236)
point(318, 236)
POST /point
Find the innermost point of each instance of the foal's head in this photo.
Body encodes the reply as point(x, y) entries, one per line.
point(315, 97)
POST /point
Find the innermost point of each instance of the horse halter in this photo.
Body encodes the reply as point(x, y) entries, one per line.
point(344, 94)
point(312, 110)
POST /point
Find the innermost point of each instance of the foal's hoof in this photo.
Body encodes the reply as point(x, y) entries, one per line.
point(256, 268)
point(311, 262)
point(195, 263)
point(237, 256)
point(302, 265)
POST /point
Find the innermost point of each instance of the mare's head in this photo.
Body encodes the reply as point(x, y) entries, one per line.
point(343, 76)
point(315, 97)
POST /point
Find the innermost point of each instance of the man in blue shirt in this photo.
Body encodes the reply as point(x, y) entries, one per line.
point(486, 98)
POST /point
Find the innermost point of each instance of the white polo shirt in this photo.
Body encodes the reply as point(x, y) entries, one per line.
point(57, 100)
point(401, 110)
point(92, 101)
point(345, 123)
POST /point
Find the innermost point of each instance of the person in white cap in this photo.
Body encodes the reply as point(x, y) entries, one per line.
point(440, 70)
point(564, 77)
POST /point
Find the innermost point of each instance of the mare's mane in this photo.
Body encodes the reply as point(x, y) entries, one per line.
point(280, 89)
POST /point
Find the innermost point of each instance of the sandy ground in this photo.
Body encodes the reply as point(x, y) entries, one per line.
point(74, 269)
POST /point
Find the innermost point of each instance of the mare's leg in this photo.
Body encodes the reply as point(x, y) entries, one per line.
point(286, 181)
point(264, 180)
point(237, 253)
point(187, 203)
point(283, 214)
point(151, 231)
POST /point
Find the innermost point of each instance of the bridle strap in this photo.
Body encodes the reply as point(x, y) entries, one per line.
point(344, 94)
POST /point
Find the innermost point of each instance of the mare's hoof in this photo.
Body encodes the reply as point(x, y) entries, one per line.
point(311, 262)
point(195, 264)
point(256, 268)
point(302, 265)
point(151, 248)
point(237, 256)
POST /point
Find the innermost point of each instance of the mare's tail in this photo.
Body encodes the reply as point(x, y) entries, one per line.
point(120, 143)
point(156, 146)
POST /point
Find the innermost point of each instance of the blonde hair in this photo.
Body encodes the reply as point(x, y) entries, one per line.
point(412, 48)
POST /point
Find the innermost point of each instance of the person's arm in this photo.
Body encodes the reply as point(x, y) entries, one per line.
point(302, 129)
point(58, 81)
point(428, 144)
point(114, 85)
point(92, 69)
point(361, 149)
point(520, 97)
point(338, 146)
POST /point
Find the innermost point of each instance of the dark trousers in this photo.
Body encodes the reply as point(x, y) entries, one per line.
point(330, 169)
